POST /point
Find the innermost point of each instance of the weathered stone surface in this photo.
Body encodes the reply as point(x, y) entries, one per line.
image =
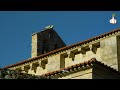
point(105, 49)
point(45, 41)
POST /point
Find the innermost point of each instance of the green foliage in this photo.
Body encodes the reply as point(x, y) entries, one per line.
point(12, 74)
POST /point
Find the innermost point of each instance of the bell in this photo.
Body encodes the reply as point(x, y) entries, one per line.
point(113, 20)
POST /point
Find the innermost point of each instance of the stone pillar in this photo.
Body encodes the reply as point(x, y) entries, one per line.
point(34, 51)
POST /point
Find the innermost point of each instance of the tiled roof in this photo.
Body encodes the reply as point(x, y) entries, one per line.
point(66, 47)
point(81, 66)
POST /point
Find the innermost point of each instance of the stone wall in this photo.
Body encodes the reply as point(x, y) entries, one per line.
point(118, 51)
point(109, 51)
point(34, 46)
point(45, 41)
point(104, 49)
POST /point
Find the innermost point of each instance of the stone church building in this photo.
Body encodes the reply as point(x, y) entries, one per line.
point(95, 58)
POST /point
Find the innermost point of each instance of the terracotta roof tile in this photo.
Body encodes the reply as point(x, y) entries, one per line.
point(91, 61)
point(70, 67)
point(66, 47)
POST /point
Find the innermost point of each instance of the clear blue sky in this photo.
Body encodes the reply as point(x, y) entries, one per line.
point(16, 28)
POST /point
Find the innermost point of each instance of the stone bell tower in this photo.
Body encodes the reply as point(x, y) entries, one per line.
point(45, 41)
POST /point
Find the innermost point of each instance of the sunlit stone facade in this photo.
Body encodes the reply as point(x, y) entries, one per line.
point(50, 53)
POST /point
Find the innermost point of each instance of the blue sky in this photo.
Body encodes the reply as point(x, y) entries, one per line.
point(16, 28)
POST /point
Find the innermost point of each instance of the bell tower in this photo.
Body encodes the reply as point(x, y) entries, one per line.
point(45, 41)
